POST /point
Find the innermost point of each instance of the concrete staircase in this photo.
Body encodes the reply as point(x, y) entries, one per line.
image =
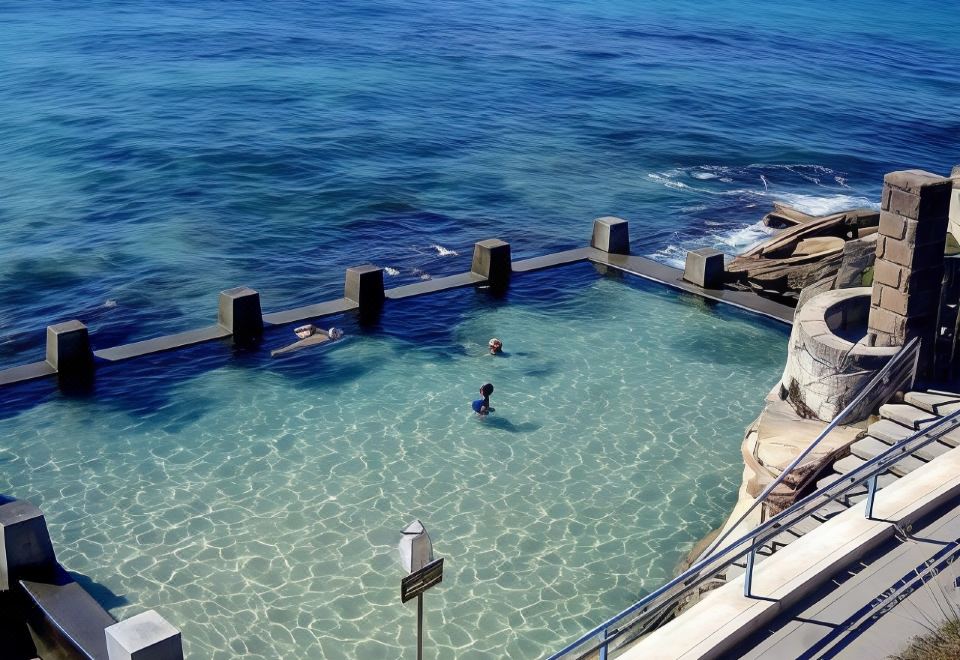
point(898, 421)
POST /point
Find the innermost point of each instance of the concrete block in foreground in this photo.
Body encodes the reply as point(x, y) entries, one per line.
point(68, 348)
point(491, 260)
point(364, 285)
point(611, 235)
point(25, 547)
point(239, 312)
point(146, 636)
point(704, 268)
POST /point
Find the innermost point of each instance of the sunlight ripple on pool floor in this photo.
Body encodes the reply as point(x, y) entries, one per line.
point(260, 513)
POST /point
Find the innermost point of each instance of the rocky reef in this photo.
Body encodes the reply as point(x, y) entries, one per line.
point(826, 252)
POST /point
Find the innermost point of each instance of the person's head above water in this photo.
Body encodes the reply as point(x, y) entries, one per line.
point(486, 390)
point(495, 346)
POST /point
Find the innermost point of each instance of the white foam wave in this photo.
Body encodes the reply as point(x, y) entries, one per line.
point(731, 242)
point(740, 239)
point(703, 176)
point(393, 272)
point(444, 252)
point(110, 303)
point(826, 204)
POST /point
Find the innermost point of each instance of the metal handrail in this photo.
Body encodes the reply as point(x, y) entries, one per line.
point(709, 565)
point(910, 350)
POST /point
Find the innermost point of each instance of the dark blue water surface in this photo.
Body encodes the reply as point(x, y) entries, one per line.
point(152, 154)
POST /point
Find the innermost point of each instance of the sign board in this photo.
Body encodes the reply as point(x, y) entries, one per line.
point(419, 581)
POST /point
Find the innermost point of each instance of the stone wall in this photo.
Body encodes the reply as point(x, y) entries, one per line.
point(909, 264)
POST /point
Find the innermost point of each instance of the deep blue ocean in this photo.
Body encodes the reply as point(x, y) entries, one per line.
point(155, 153)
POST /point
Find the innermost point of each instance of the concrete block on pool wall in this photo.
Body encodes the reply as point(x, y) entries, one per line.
point(704, 268)
point(146, 636)
point(611, 235)
point(491, 260)
point(239, 312)
point(364, 285)
point(25, 548)
point(68, 348)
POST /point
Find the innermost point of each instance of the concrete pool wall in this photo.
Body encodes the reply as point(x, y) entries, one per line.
point(69, 352)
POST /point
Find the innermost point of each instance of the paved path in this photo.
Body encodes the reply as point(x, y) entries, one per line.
point(873, 607)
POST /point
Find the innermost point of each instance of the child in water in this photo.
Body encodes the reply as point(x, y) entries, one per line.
point(482, 406)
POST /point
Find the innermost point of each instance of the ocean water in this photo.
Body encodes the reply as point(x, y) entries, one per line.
point(155, 153)
point(257, 503)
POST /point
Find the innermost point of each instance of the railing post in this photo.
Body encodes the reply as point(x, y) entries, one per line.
point(871, 493)
point(748, 574)
point(603, 644)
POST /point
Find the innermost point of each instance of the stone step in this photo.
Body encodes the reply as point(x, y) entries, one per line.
point(907, 415)
point(926, 453)
point(858, 492)
point(801, 527)
point(848, 463)
point(939, 404)
point(891, 432)
point(868, 448)
point(829, 510)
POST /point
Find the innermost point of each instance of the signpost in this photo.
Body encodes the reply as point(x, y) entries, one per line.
point(416, 583)
point(416, 557)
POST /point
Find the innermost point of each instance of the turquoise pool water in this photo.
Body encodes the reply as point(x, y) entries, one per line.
point(257, 503)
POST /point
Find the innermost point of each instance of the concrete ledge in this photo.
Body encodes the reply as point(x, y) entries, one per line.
point(65, 621)
point(26, 372)
point(161, 344)
point(308, 312)
point(552, 260)
point(672, 277)
point(435, 286)
point(724, 617)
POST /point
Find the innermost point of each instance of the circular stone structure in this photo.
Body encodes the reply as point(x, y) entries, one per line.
point(829, 359)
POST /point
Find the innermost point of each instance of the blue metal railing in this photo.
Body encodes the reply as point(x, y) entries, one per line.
point(898, 373)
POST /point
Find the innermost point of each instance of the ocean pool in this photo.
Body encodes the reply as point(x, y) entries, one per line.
point(256, 503)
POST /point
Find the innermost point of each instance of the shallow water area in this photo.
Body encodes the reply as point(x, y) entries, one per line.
point(257, 503)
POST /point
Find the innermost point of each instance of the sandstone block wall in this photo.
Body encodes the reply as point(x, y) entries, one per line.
point(909, 265)
point(954, 227)
point(828, 359)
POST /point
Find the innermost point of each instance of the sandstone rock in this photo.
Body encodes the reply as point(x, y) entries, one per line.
point(804, 254)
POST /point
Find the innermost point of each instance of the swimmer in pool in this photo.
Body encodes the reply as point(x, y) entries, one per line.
point(482, 406)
